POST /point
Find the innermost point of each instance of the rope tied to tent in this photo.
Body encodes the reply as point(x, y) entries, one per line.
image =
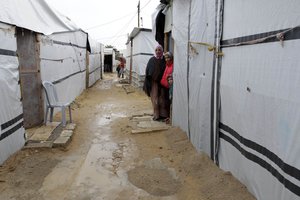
point(280, 36)
point(210, 47)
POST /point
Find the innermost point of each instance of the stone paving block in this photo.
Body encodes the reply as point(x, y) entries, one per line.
point(43, 144)
point(42, 133)
point(66, 133)
point(70, 126)
point(147, 130)
point(143, 118)
point(61, 141)
point(151, 124)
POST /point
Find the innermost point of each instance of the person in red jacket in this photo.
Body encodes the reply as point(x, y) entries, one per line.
point(168, 70)
point(165, 82)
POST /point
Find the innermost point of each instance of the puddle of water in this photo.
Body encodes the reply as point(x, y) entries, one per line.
point(105, 85)
point(119, 115)
point(97, 172)
point(105, 120)
point(102, 121)
point(155, 178)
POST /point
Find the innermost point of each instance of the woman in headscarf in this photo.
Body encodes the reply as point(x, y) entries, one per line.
point(152, 87)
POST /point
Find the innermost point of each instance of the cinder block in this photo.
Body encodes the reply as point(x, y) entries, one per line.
point(70, 126)
point(66, 133)
point(61, 141)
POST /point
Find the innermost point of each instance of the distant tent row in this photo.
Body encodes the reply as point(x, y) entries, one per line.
point(236, 85)
point(38, 44)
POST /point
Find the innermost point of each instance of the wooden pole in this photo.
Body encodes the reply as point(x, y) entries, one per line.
point(166, 43)
point(138, 14)
point(130, 72)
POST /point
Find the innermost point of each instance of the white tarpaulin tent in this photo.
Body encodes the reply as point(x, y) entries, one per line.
point(143, 46)
point(60, 57)
point(35, 15)
point(241, 108)
point(63, 62)
point(193, 70)
point(95, 62)
point(11, 113)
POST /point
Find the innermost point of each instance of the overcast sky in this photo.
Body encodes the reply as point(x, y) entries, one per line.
point(107, 21)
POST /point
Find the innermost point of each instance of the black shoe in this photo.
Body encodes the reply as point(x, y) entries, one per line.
point(155, 118)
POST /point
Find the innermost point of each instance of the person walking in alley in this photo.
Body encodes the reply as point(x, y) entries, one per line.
point(153, 88)
point(121, 67)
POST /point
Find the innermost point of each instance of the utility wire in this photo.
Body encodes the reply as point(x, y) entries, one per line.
point(146, 4)
point(97, 26)
point(129, 22)
point(122, 29)
point(112, 21)
point(111, 37)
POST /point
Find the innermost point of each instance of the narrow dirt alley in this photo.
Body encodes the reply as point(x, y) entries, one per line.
point(106, 161)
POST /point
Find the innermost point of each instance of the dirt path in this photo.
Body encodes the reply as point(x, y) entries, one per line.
point(106, 161)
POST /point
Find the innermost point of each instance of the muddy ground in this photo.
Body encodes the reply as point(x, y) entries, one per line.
point(106, 161)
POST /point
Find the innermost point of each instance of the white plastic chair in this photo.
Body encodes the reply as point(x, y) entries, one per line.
point(53, 102)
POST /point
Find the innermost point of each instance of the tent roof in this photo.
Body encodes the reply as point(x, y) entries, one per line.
point(136, 31)
point(35, 15)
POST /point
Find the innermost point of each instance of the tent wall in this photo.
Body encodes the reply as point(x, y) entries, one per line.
point(193, 69)
point(180, 88)
point(11, 114)
point(259, 88)
point(202, 27)
point(143, 46)
point(143, 50)
point(254, 89)
point(63, 62)
point(95, 66)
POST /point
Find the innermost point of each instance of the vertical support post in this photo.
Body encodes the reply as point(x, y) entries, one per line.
point(166, 42)
point(138, 14)
point(130, 71)
point(188, 69)
point(87, 69)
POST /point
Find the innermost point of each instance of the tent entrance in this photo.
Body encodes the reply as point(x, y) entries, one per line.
point(108, 63)
point(30, 77)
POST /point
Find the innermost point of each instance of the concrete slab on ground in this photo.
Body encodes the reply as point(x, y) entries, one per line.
point(152, 124)
point(145, 124)
point(128, 89)
point(61, 141)
point(43, 132)
point(142, 118)
point(50, 135)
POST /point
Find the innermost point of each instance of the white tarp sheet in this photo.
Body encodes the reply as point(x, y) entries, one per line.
point(34, 15)
point(11, 114)
point(259, 90)
point(192, 104)
point(94, 61)
point(241, 20)
point(260, 100)
point(180, 35)
point(63, 62)
point(143, 49)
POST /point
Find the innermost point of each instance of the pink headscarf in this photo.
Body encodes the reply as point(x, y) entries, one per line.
point(159, 54)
